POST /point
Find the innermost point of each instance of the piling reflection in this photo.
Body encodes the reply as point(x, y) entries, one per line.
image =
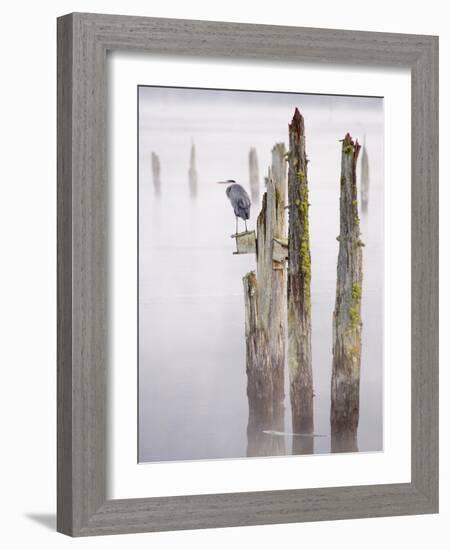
point(302, 445)
point(265, 432)
point(344, 442)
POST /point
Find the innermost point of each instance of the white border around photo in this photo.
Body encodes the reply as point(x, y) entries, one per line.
point(127, 478)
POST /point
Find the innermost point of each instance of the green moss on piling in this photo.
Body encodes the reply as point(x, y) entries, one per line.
point(356, 292)
point(355, 318)
point(348, 149)
point(305, 253)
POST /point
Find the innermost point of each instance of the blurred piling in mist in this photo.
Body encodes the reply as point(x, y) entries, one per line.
point(347, 324)
point(299, 290)
point(156, 172)
point(364, 179)
point(193, 179)
point(265, 313)
point(254, 174)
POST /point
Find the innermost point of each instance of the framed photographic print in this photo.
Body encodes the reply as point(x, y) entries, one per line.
point(247, 274)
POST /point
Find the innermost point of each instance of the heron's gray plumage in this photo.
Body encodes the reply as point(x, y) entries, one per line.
point(240, 201)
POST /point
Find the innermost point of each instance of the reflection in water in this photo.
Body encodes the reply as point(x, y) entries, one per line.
point(344, 442)
point(193, 174)
point(261, 439)
point(302, 445)
point(156, 170)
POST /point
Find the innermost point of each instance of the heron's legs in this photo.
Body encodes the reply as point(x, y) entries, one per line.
point(236, 225)
point(246, 226)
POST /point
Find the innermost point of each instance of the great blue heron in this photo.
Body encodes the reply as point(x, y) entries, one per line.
point(240, 201)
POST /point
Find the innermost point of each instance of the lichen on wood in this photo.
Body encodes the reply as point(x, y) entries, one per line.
point(347, 323)
point(299, 284)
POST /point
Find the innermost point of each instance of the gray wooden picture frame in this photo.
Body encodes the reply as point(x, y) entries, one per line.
point(83, 41)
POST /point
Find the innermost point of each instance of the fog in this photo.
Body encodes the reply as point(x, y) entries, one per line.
point(192, 381)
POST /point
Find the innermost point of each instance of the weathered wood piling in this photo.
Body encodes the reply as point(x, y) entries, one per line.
point(254, 174)
point(245, 242)
point(299, 289)
point(265, 314)
point(193, 178)
point(279, 253)
point(259, 377)
point(271, 272)
point(347, 313)
point(156, 172)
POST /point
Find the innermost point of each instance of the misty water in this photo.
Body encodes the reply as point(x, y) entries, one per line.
point(192, 380)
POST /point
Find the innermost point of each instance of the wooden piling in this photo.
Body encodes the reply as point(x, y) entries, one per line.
point(259, 377)
point(347, 313)
point(299, 288)
point(193, 178)
point(254, 174)
point(265, 313)
point(245, 242)
point(156, 172)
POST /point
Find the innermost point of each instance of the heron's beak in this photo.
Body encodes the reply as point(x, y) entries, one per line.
point(222, 182)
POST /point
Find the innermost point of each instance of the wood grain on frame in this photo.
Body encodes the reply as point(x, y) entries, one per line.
point(83, 40)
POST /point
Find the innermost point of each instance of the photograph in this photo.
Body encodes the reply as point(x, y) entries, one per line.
point(260, 273)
